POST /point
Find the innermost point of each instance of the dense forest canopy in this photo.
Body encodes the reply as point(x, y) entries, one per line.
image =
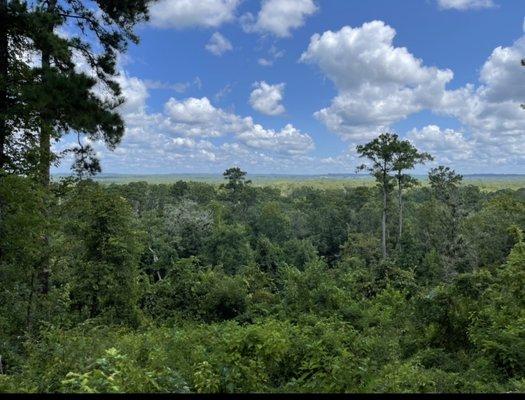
point(195, 287)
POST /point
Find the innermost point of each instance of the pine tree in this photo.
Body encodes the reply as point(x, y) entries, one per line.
point(16, 121)
point(56, 94)
point(40, 104)
point(381, 154)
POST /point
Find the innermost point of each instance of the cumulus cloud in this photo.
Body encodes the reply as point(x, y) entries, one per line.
point(279, 17)
point(267, 98)
point(218, 44)
point(184, 136)
point(181, 14)
point(288, 140)
point(199, 118)
point(492, 111)
point(502, 75)
point(447, 145)
point(135, 93)
point(378, 83)
point(465, 4)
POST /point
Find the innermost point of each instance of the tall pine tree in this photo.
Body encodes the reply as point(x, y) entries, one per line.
point(57, 96)
point(68, 99)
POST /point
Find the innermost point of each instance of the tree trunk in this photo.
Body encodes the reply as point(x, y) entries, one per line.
point(383, 224)
point(400, 203)
point(4, 101)
point(29, 313)
point(4, 69)
point(46, 130)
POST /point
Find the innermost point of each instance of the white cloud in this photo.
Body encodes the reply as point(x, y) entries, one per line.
point(492, 110)
point(378, 84)
point(181, 14)
point(502, 75)
point(181, 139)
point(218, 44)
point(273, 55)
point(267, 98)
point(465, 4)
point(225, 91)
point(446, 145)
point(182, 136)
point(288, 140)
point(179, 87)
point(199, 118)
point(265, 62)
point(494, 106)
point(135, 92)
point(279, 17)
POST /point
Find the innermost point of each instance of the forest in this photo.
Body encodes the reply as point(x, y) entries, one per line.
point(192, 287)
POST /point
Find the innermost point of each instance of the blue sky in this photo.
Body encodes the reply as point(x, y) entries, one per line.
point(292, 86)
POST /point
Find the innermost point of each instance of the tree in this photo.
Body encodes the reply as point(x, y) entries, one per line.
point(188, 227)
point(4, 70)
point(238, 187)
point(381, 153)
point(444, 182)
point(228, 246)
point(272, 222)
point(236, 179)
point(65, 98)
point(497, 329)
point(105, 247)
point(406, 158)
point(22, 224)
point(17, 111)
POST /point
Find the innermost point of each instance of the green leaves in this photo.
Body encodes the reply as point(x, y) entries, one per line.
point(55, 98)
point(106, 248)
point(115, 373)
point(170, 288)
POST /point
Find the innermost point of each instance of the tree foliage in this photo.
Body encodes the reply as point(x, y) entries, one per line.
point(232, 288)
point(170, 288)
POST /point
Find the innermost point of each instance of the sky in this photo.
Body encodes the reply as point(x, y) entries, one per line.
point(292, 86)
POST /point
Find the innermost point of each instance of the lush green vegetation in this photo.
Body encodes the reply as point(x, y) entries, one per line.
point(373, 285)
point(193, 287)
